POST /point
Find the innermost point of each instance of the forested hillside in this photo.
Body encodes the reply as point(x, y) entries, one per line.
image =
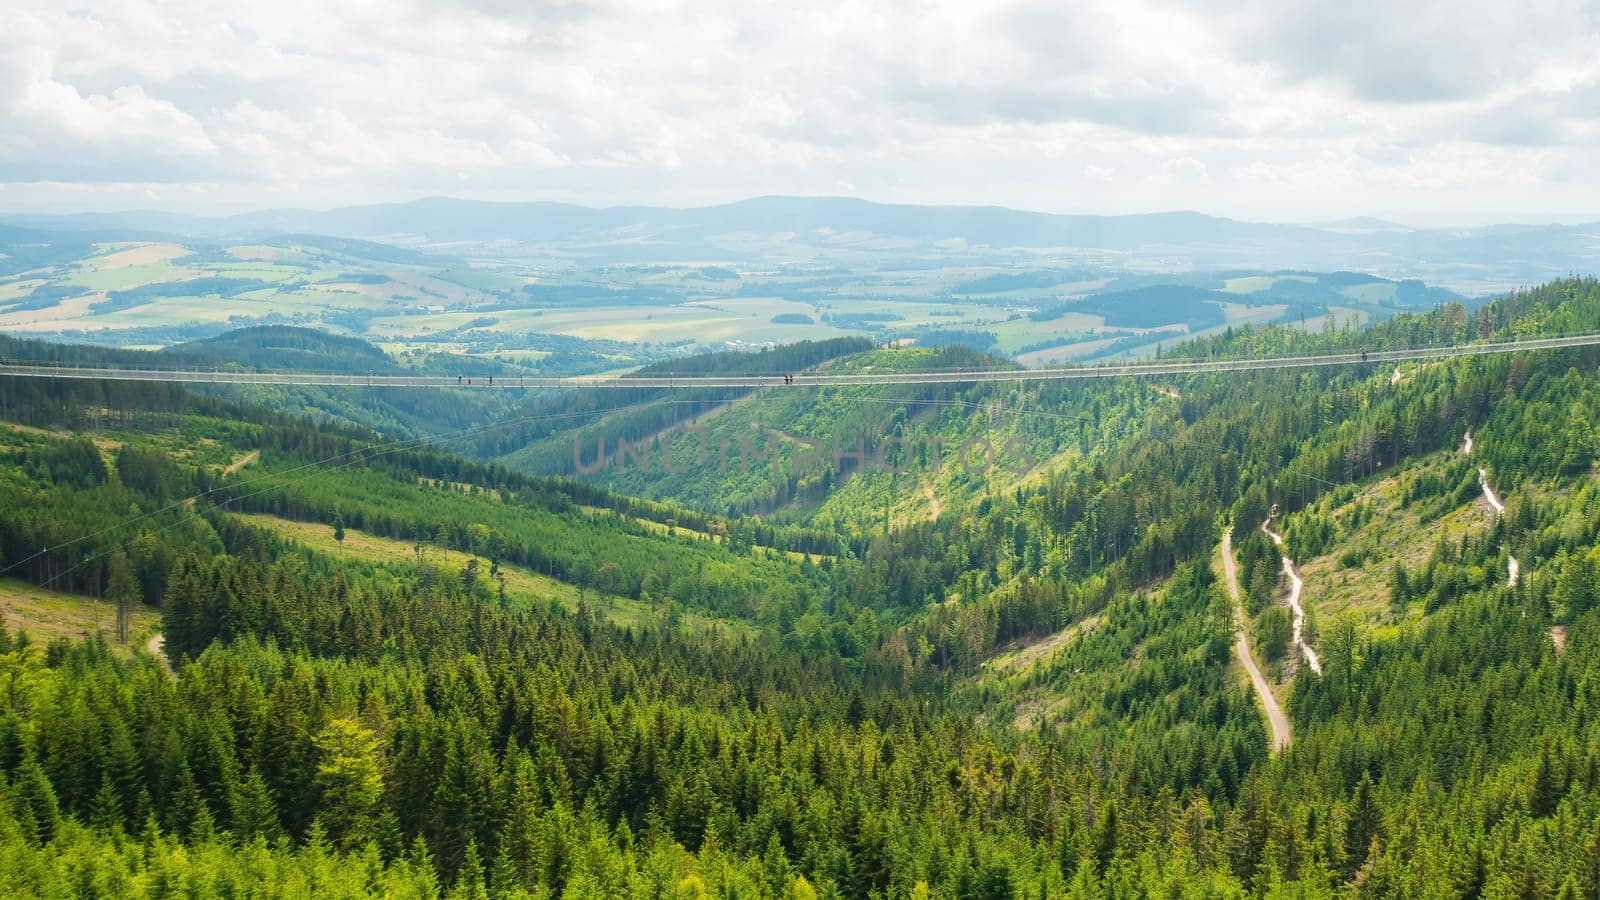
point(1014, 683)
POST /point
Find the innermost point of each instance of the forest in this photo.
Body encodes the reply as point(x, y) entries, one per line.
point(1029, 692)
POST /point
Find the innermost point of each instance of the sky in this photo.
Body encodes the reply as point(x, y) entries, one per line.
point(1424, 112)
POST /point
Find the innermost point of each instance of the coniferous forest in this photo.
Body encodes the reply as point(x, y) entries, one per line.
point(390, 667)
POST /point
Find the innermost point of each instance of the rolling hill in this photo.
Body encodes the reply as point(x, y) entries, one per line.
point(392, 663)
point(852, 228)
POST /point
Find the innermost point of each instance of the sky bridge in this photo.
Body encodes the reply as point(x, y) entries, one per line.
point(1157, 367)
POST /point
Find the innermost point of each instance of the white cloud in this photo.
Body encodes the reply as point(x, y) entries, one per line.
point(1180, 170)
point(1335, 106)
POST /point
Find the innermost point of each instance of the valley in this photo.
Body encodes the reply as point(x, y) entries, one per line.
point(763, 451)
point(539, 308)
point(511, 639)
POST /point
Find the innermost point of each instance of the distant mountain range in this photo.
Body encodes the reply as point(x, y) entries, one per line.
point(796, 229)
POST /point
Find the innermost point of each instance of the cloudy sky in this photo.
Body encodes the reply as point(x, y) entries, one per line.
point(1430, 112)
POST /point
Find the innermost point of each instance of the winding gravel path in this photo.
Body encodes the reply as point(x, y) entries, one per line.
point(1296, 585)
point(1513, 567)
point(1277, 722)
point(157, 647)
point(1488, 492)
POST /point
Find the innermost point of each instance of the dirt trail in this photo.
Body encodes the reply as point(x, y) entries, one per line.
point(157, 647)
point(241, 462)
point(1277, 722)
point(1296, 585)
point(1488, 492)
point(1513, 567)
point(935, 505)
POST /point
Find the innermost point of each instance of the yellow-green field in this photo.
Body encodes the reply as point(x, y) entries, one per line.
point(681, 531)
point(123, 277)
point(521, 584)
point(1065, 353)
point(1013, 334)
point(1376, 292)
point(705, 322)
point(1254, 284)
point(416, 299)
point(47, 615)
point(1020, 679)
point(15, 289)
point(69, 313)
point(117, 256)
point(201, 451)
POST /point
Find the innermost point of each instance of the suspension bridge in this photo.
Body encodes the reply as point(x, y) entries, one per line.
point(803, 379)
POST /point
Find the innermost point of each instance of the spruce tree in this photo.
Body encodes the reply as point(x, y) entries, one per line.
point(34, 801)
point(349, 781)
point(255, 815)
point(122, 591)
point(1361, 825)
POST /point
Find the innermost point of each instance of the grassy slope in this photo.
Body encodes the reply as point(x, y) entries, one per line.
point(777, 422)
point(1057, 679)
point(46, 615)
point(1352, 577)
point(225, 447)
point(521, 584)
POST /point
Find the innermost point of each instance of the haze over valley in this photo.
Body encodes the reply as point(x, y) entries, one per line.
point(525, 281)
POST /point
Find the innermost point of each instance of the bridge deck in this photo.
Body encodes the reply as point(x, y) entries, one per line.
point(531, 382)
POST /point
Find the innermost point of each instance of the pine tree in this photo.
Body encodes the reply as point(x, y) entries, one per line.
point(1577, 585)
point(255, 815)
point(119, 760)
point(349, 781)
point(185, 807)
point(462, 800)
point(1589, 866)
point(469, 880)
point(503, 878)
point(1361, 826)
point(285, 754)
point(1399, 589)
point(1547, 787)
point(1105, 839)
point(105, 812)
point(122, 590)
point(185, 587)
point(35, 801)
point(420, 861)
point(775, 865)
point(868, 854)
point(515, 842)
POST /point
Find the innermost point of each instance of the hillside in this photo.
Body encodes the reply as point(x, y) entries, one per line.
point(1023, 685)
point(837, 227)
point(282, 347)
point(777, 278)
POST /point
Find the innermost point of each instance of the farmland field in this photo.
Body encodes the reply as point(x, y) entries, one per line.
point(519, 305)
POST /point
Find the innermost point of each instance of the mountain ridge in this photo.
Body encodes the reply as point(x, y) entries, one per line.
point(778, 231)
point(338, 219)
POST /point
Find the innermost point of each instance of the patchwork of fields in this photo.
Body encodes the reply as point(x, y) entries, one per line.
point(156, 293)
